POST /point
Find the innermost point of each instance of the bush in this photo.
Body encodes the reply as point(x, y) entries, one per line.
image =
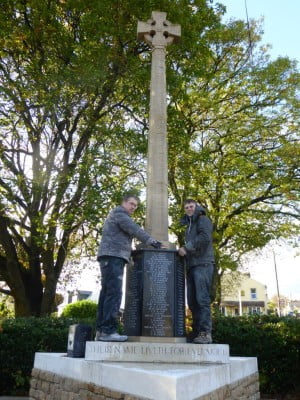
point(20, 339)
point(80, 310)
point(274, 341)
point(85, 310)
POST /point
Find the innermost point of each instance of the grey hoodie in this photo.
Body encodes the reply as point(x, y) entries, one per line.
point(198, 238)
point(118, 231)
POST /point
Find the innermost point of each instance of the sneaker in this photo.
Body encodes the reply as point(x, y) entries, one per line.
point(98, 335)
point(203, 338)
point(111, 337)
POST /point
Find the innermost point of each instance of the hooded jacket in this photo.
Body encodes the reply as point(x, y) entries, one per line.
point(118, 231)
point(198, 238)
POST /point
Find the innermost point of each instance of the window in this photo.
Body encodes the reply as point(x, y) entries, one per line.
point(82, 295)
point(254, 310)
point(253, 293)
point(70, 296)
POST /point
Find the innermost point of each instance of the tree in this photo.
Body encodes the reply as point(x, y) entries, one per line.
point(74, 89)
point(60, 74)
point(74, 93)
point(234, 145)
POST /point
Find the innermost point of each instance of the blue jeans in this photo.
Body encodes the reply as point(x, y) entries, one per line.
point(199, 281)
point(110, 297)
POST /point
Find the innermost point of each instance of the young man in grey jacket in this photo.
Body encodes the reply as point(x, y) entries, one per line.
point(199, 256)
point(113, 253)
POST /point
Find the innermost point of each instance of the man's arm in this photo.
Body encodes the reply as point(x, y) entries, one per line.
point(204, 233)
point(201, 240)
point(128, 225)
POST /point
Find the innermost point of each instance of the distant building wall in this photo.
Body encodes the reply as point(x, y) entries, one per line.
point(243, 295)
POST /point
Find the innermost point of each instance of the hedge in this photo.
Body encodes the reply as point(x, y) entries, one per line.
point(274, 341)
point(80, 309)
point(20, 338)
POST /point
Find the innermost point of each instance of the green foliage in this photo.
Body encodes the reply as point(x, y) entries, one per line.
point(20, 338)
point(65, 106)
point(80, 310)
point(274, 341)
point(233, 141)
point(74, 107)
point(73, 126)
point(6, 309)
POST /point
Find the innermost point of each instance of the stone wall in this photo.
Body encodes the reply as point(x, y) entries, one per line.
point(243, 389)
point(50, 386)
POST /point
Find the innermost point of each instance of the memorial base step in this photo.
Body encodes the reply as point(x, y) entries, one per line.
point(56, 376)
point(157, 352)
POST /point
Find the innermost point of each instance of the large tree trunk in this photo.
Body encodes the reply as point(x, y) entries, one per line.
point(28, 301)
point(22, 307)
point(33, 300)
point(48, 300)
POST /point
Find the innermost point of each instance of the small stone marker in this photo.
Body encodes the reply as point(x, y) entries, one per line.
point(78, 335)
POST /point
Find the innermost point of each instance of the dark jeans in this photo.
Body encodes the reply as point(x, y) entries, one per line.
point(199, 281)
point(110, 297)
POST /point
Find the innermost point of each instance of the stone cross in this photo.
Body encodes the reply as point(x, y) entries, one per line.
point(158, 33)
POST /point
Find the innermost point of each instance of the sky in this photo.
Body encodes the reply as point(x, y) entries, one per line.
point(281, 22)
point(281, 258)
point(282, 31)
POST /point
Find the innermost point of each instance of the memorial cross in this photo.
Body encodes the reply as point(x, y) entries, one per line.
point(158, 33)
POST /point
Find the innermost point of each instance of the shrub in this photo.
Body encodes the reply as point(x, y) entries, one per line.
point(274, 341)
point(80, 310)
point(20, 339)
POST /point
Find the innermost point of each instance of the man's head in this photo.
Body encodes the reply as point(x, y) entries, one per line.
point(130, 203)
point(190, 207)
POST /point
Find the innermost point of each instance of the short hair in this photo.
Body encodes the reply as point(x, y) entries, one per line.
point(128, 196)
point(187, 201)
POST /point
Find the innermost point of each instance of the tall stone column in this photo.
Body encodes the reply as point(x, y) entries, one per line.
point(155, 292)
point(158, 33)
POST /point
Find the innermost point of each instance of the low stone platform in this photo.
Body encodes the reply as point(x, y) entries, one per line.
point(157, 352)
point(56, 376)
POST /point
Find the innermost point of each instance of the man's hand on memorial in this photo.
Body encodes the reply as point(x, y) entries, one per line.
point(156, 244)
point(182, 251)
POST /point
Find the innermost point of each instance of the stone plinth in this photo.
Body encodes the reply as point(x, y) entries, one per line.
point(158, 352)
point(56, 376)
point(155, 294)
point(159, 339)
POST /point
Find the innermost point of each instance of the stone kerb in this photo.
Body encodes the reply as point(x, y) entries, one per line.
point(157, 352)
